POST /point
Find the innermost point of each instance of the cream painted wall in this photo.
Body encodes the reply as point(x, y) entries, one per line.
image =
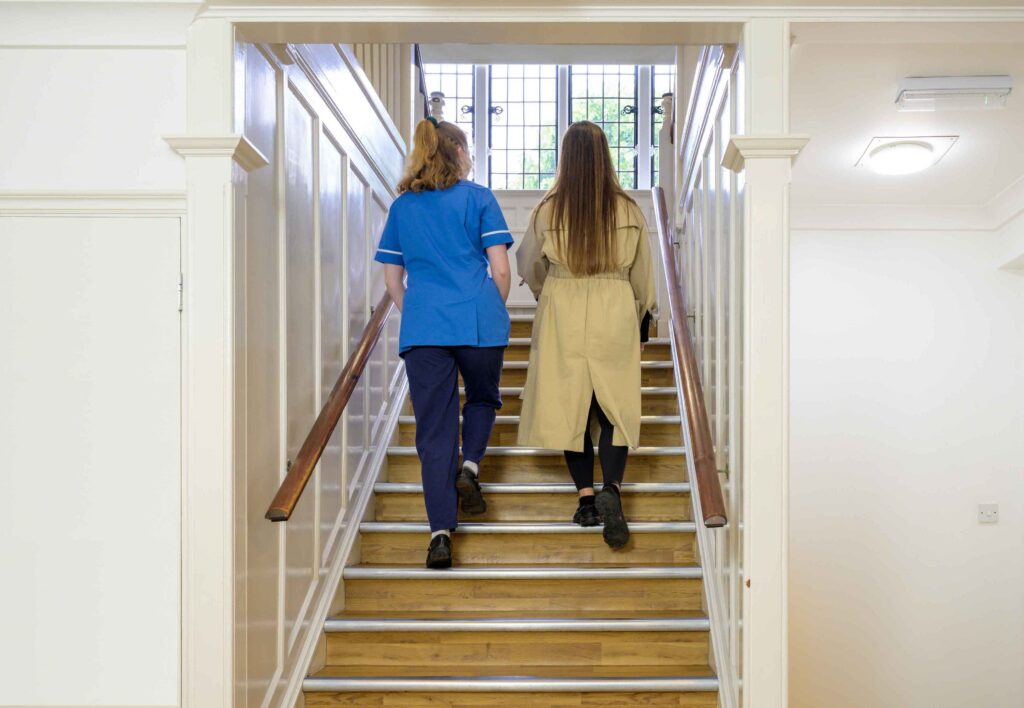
point(91, 118)
point(91, 208)
point(907, 390)
point(1010, 245)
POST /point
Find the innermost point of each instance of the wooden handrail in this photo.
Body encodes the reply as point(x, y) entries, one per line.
point(709, 488)
point(417, 55)
point(309, 454)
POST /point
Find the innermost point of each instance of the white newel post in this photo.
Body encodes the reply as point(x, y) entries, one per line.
point(666, 151)
point(437, 104)
point(765, 155)
point(217, 160)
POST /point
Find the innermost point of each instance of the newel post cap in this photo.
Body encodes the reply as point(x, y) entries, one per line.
point(237, 147)
point(750, 147)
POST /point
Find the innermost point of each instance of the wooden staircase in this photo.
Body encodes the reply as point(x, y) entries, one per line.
point(536, 611)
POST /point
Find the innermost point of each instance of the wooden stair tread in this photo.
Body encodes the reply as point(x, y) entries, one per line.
point(544, 614)
point(441, 670)
point(462, 665)
point(454, 571)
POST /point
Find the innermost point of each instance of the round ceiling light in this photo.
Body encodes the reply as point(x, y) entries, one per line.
point(902, 157)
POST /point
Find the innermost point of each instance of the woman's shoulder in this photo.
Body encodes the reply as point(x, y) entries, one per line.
point(629, 213)
point(478, 191)
point(541, 213)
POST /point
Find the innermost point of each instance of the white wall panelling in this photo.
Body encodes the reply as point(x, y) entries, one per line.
point(389, 68)
point(711, 241)
point(90, 439)
point(312, 220)
point(91, 209)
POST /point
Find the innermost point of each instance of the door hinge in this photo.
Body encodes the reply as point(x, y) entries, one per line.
point(181, 292)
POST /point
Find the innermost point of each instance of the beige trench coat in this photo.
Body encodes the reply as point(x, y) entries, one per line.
point(586, 335)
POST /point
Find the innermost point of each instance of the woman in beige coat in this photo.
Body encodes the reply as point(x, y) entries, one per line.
point(586, 257)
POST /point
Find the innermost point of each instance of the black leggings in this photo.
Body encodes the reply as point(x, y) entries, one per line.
point(613, 457)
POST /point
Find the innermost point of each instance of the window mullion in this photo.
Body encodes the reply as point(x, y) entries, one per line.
point(644, 123)
point(481, 124)
point(564, 102)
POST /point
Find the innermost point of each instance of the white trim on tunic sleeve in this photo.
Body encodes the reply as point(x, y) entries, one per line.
point(384, 250)
point(499, 231)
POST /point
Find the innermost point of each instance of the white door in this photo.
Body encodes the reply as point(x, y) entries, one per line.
point(89, 460)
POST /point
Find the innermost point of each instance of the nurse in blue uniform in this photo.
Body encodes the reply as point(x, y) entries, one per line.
point(445, 232)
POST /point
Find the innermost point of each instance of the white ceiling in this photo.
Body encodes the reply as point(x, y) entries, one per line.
point(842, 91)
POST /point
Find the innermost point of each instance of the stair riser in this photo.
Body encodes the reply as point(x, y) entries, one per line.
point(524, 328)
point(496, 649)
point(651, 434)
point(522, 595)
point(539, 507)
point(547, 468)
point(532, 549)
point(517, 700)
point(652, 352)
point(648, 377)
point(649, 405)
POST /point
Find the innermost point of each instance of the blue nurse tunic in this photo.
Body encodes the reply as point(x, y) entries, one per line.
point(441, 238)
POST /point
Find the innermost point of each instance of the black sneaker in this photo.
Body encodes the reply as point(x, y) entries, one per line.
point(586, 515)
point(616, 531)
point(470, 496)
point(439, 553)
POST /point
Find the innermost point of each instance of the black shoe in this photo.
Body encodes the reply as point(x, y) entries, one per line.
point(586, 515)
point(609, 505)
point(470, 496)
point(439, 553)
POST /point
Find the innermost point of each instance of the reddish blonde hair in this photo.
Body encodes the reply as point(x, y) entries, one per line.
point(439, 157)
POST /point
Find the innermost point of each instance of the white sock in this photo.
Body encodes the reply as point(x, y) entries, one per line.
point(472, 467)
point(442, 532)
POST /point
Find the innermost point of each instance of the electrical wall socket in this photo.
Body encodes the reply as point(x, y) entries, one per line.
point(988, 513)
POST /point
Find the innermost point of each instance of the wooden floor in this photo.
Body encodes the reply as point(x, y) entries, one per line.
point(527, 525)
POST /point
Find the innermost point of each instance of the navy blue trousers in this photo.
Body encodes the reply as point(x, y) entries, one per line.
point(434, 388)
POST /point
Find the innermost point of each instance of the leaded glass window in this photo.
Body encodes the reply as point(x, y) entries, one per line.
point(523, 125)
point(606, 94)
point(455, 81)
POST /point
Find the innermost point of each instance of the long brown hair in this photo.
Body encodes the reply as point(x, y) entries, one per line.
point(584, 200)
point(439, 157)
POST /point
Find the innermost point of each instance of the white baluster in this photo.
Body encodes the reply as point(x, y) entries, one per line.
point(720, 300)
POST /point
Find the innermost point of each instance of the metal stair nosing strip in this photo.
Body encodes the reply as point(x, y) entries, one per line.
point(525, 341)
point(523, 624)
point(509, 684)
point(513, 419)
point(646, 364)
point(525, 527)
point(507, 451)
point(680, 572)
point(644, 390)
point(539, 487)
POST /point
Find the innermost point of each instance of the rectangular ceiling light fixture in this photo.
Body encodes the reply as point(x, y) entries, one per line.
point(953, 93)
